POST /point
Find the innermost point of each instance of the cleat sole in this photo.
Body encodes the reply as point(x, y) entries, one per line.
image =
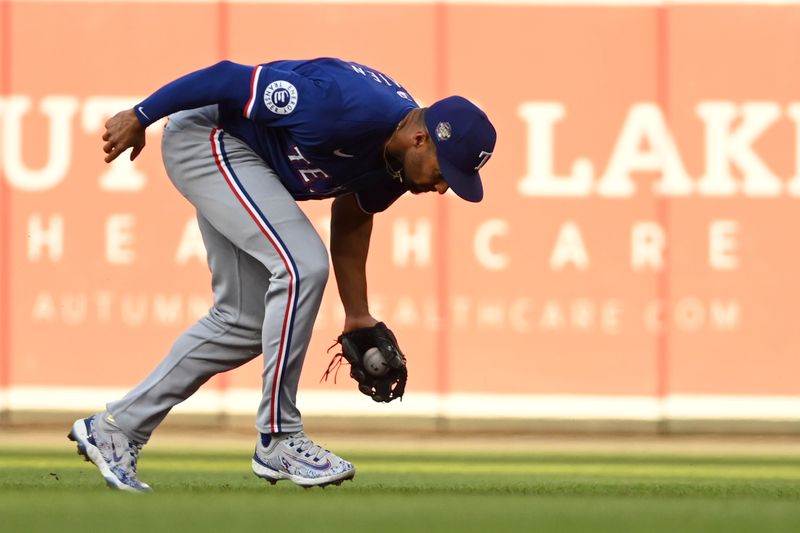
point(336, 483)
point(273, 476)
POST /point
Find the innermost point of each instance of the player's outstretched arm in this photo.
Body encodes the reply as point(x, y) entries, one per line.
point(224, 82)
point(351, 229)
point(123, 131)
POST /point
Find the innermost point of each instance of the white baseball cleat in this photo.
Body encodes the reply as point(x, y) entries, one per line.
point(297, 458)
point(111, 452)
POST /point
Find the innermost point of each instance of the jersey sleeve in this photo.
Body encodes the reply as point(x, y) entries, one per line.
point(379, 198)
point(225, 83)
point(283, 97)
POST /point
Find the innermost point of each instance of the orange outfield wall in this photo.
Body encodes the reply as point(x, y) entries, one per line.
point(637, 233)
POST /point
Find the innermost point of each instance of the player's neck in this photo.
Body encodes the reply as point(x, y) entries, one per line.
point(399, 141)
point(393, 150)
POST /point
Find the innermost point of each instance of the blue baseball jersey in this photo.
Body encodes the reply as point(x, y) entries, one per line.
point(321, 124)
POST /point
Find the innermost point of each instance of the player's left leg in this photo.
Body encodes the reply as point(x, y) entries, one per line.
point(114, 454)
point(227, 337)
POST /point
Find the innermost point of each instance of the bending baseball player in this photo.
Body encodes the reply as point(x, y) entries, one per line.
point(243, 144)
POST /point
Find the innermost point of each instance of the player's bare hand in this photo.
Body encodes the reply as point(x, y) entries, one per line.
point(123, 131)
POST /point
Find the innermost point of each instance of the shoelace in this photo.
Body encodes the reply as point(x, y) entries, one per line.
point(308, 447)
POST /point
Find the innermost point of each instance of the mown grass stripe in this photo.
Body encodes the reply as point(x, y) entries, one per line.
point(612, 470)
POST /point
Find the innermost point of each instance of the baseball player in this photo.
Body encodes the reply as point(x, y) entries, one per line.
point(243, 144)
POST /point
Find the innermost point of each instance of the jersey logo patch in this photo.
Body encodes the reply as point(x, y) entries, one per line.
point(280, 97)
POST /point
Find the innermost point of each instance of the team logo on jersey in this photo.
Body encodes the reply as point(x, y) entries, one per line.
point(443, 131)
point(280, 97)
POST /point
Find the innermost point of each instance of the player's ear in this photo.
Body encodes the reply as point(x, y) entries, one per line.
point(421, 138)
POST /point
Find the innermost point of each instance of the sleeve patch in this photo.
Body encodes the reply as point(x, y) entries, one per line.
point(281, 97)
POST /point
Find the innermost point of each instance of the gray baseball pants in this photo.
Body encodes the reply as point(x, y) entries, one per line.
point(269, 268)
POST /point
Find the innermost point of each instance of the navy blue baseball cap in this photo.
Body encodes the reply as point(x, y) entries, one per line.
point(464, 140)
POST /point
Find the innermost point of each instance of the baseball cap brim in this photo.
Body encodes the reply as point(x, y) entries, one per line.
point(466, 186)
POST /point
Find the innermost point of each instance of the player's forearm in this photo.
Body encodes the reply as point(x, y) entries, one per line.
point(351, 229)
point(225, 82)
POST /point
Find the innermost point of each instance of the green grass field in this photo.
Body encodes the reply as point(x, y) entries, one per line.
point(51, 489)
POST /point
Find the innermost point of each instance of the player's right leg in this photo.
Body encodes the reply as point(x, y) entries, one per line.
point(244, 199)
point(297, 458)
